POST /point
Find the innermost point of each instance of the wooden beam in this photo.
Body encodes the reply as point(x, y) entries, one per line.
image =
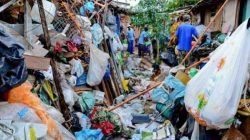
point(44, 24)
point(134, 97)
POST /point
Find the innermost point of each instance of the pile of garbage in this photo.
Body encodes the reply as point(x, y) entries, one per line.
point(86, 86)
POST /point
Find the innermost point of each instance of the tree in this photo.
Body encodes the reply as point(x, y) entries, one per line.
point(154, 13)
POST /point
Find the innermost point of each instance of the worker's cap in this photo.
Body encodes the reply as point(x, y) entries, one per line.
point(186, 17)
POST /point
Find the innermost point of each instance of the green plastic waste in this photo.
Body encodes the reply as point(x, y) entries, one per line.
point(192, 72)
point(87, 101)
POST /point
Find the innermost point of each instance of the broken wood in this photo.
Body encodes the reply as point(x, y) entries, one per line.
point(134, 97)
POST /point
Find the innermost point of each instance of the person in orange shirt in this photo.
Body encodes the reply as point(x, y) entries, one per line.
point(173, 29)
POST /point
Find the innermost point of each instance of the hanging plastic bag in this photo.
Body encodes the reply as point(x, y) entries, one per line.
point(213, 95)
point(97, 34)
point(97, 66)
point(116, 44)
point(111, 19)
point(85, 22)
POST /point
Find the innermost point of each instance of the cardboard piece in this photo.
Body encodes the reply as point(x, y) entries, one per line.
point(37, 63)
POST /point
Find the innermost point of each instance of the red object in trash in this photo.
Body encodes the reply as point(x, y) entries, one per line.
point(57, 48)
point(71, 46)
point(106, 127)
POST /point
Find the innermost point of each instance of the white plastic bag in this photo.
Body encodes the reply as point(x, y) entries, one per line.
point(69, 94)
point(97, 66)
point(77, 67)
point(85, 22)
point(213, 95)
point(49, 10)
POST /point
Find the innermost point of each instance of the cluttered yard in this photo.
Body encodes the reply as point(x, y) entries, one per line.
point(124, 70)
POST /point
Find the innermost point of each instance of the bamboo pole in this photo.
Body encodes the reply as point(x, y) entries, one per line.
point(200, 37)
point(134, 97)
point(197, 63)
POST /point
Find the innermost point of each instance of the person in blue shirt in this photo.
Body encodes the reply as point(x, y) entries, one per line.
point(131, 40)
point(184, 34)
point(141, 41)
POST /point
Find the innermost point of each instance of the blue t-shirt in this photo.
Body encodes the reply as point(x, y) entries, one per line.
point(143, 35)
point(131, 34)
point(184, 34)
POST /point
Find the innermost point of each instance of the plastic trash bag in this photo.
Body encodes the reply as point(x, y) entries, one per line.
point(171, 90)
point(82, 80)
point(97, 34)
point(83, 120)
point(213, 95)
point(54, 113)
point(111, 19)
point(85, 22)
point(97, 66)
point(12, 130)
point(13, 70)
point(77, 67)
point(18, 112)
point(116, 44)
point(23, 113)
point(90, 6)
point(69, 94)
point(49, 10)
point(169, 57)
point(87, 101)
point(89, 134)
point(22, 94)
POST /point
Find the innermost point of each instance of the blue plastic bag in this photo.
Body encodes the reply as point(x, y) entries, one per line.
point(90, 6)
point(82, 80)
point(89, 134)
point(171, 90)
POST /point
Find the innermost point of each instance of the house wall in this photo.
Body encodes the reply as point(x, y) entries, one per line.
point(209, 15)
point(230, 16)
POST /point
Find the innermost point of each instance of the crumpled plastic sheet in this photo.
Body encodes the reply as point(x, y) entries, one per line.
point(22, 94)
point(13, 70)
point(89, 134)
point(163, 95)
point(87, 101)
point(11, 130)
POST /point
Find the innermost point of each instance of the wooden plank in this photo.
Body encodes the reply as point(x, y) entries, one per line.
point(37, 63)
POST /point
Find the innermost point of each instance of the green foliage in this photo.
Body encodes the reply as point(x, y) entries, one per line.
point(154, 13)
